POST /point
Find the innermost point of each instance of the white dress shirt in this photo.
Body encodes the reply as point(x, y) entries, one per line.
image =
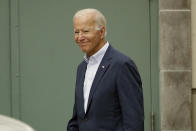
point(92, 66)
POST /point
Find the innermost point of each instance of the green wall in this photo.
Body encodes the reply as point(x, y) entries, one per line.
point(5, 82)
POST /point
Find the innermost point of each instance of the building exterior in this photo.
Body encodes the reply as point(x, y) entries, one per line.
point(35, 39)
point(177, 64)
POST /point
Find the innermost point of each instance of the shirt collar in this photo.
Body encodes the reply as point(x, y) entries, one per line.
point(97, 57)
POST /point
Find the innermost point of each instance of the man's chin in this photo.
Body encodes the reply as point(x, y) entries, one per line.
point(83, 50)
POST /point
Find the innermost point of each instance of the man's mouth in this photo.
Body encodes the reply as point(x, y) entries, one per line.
point(82, 44)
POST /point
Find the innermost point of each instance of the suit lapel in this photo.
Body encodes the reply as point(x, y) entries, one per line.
point(99, 75)
point(80, 88)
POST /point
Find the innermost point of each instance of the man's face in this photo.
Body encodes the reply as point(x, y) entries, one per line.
point(85, 34)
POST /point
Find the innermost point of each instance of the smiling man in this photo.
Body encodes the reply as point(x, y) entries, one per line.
point(89, 31)
point(108, 93)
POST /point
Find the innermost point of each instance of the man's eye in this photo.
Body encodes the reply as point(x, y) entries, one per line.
point(76, 32)
point(86, 31)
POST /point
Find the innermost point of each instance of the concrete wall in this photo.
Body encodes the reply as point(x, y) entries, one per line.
point(175, 65)
point(193, 31)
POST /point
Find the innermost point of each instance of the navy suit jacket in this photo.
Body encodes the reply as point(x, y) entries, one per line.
point(115, 101)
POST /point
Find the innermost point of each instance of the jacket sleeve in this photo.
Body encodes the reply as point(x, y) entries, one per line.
point(129, 87)
point(73, 123)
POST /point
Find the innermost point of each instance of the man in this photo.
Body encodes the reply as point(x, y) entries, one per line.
point(108, 93)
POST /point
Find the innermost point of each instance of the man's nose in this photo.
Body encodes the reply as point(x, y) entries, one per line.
point(80, 36)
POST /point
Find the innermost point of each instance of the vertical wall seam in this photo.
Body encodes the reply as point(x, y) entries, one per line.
point(154, 61)
point(15, 60)
point(150, 54)
point(10, 73)
point(19, 71)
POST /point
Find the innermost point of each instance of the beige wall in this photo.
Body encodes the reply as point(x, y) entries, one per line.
point(175, 65)
point(178, 64)
point(193, 27)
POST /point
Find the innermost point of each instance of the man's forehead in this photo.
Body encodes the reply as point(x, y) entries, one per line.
point(83, 27)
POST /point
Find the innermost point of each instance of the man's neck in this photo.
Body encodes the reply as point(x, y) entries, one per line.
point(101, 44)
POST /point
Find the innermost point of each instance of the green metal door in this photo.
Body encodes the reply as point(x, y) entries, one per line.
point(5, 90)
point(45, 56)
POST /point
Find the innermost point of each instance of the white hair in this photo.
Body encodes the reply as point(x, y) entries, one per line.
point(100, 20)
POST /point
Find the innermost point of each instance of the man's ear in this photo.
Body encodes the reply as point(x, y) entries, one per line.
point(102, 31)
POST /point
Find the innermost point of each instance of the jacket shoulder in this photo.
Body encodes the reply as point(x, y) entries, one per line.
point(120, 58)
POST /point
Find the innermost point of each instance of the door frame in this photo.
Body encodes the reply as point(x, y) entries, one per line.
point(154, 42)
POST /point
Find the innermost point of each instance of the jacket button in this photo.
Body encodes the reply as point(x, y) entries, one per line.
point(86, 119)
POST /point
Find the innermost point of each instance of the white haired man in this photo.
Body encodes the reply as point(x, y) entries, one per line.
point(108, 93)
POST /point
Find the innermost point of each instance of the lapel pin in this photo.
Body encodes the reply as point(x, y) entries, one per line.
point(103, 67)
